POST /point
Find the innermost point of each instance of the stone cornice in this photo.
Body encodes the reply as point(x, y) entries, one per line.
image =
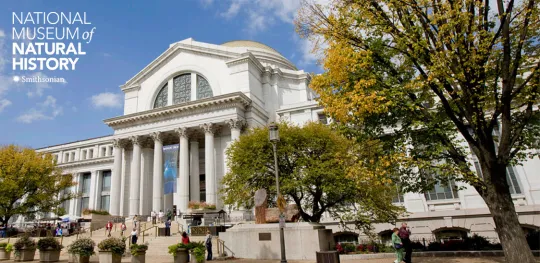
point(188, 107)
point(93, 161)
point(246, 58)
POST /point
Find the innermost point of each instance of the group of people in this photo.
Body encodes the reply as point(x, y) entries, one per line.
point(402, 243)
point(161, 216)
point(207, 243)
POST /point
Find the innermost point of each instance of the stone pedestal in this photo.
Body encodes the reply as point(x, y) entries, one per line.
point(261, 241)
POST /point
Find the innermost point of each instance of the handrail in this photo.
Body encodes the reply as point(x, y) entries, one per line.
point(142, 232)
point(222, 243)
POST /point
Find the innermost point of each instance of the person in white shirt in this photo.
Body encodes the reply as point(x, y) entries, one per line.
point(153, 215)
point(134, 236)
point(161, 214)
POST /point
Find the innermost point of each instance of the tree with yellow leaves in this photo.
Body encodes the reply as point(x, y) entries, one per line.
point(439, 83)
point(30, 183)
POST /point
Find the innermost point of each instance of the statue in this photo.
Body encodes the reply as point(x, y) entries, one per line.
point(260, 206)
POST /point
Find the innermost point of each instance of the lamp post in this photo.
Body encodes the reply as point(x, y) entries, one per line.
point(273, 133)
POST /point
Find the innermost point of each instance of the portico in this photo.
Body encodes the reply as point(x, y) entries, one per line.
point(143, 148)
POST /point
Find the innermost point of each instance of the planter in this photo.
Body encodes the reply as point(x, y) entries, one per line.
point(109, 257)
point(49, 255)
point(181, 256)
point(194, 260)
point(4, 255)
point(25, 254)
point(141, 258)
point(79, 259)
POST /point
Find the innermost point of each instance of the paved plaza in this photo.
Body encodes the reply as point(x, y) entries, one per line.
point(169, 259)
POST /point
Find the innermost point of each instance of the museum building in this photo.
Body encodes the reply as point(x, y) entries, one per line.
point(184, 109)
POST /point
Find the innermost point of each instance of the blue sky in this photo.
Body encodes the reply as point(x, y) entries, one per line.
point(128, 36)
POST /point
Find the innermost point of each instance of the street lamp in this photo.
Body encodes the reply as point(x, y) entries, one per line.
point(273, 133)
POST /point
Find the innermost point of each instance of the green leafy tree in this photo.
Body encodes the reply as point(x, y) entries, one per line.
point(448, 80)
point(30, 183)
point(317, 171)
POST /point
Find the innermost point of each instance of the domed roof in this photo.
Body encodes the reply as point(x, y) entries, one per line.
point(250, 44)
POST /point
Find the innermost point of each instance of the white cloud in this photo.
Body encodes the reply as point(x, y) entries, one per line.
point(107, 100)
point(207, 3)
point(4, 103)
point(47, 110)
point(2, 33)
point(38, 87)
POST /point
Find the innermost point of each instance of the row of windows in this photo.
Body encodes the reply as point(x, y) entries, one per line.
point(182, 90)
point(449, 191)
point(85, 154)
point(103, 198)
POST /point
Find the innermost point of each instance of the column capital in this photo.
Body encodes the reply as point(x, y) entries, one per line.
point(209, 128)
point(157, 136)
point(136, 140)
point(118, 143)
point(236, 124)
point(182, 132)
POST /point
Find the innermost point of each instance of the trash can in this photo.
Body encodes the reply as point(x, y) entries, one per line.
point(327, 257)
point(161, 231)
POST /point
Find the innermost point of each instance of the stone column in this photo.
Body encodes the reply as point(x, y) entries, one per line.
point(92, 195)
point(157, 180)
point(183, 170)
point(134, 190)
point(195, 188)
point(209, 168)
point(236, 128)
point(116, 179)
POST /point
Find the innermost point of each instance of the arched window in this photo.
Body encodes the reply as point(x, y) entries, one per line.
point(161, 99)
point(203, 88)
point(182, 89)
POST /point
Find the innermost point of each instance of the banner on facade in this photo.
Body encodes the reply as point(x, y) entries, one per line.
point(170, 168)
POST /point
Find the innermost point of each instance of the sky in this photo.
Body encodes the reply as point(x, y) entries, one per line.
point(127, 36)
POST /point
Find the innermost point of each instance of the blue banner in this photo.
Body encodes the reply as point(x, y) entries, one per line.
point(170, 168)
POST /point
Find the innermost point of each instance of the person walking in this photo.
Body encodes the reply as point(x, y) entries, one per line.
point(109, 228)
point(168, 228)
point(169, 214)
point(3, 231)
point(134, 236)
point(208, 244)
point(398, 245)
point(122, 229)
point(160, 216)
point(404, 234)
point(153, 215)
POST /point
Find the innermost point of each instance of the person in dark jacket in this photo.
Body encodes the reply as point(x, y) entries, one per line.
point(404, 234)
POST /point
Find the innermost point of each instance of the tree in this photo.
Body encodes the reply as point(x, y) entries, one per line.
point(315, 168)
point(30, 183)
point(438, 76)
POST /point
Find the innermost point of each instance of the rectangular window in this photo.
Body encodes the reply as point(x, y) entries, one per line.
point(398, 197)
point(110, 150)
point(91, 154)
point(202, 187)
point(322, 118)
point(511, 178)
point(106, 181)
point(442, 192)
point(103, 151)
point(478, 169)
point(86, 183)
point(105, 201)
point(85, 201)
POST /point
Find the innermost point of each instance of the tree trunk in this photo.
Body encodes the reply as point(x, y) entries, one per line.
point(501, 206)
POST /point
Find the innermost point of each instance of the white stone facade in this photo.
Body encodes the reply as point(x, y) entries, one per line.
point(201, 96)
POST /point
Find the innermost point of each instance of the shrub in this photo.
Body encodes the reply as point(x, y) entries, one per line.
point(434, 246)
point(193, 205)
point(136, 249)
point(97, 212)
point(113, 244)
point(7, 247)
point(417, 245)
point(82, 247)
point(348, 247)
point(25, 242)
point(49, 243)
point(361, 247)
point(339, 248)
point(198, 251)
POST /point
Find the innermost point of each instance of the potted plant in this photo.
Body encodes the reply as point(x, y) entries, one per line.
point(197, 252)
point(138, 253)
point(211, 206)
point(111, 250)
point(49, 249)
point(25, 249)
point(193, 205)
point(81, 250)
point(180, 252)
point(5, 251)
